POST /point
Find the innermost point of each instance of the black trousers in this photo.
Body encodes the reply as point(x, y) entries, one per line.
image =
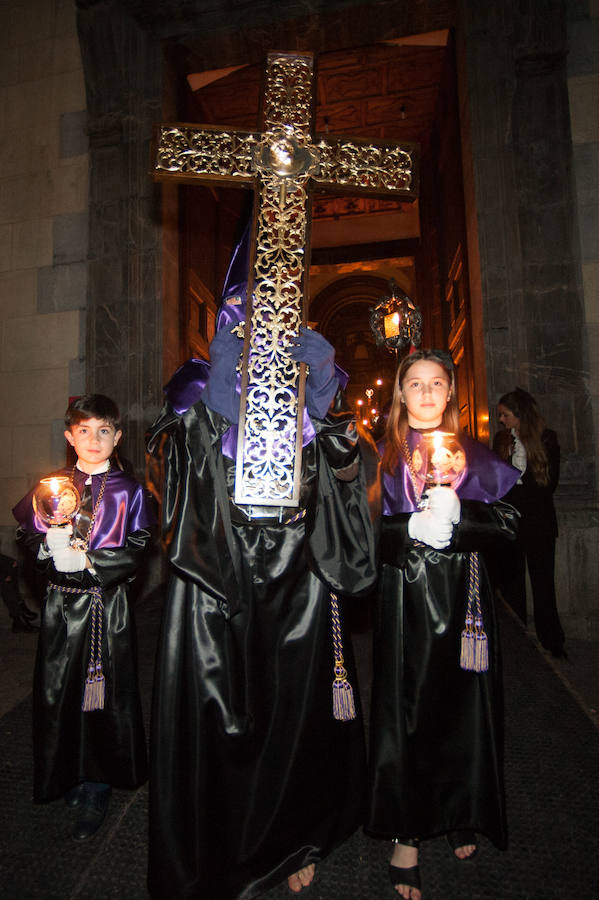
point(539, 554)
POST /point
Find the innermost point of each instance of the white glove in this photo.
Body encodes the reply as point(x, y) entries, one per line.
point(427, 528)
point(69, 560)
point(58, 537)
point(444, 503)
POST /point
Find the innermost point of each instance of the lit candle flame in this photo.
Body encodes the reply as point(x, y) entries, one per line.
point(54, 487)
point(437, 456)
point(391, 324)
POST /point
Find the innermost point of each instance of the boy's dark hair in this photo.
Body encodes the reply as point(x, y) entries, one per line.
point(93, 406)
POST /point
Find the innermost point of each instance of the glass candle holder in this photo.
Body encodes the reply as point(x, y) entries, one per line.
point(445, 459)
point(56, 500)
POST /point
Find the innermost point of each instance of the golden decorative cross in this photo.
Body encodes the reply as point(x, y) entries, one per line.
point(280, 163)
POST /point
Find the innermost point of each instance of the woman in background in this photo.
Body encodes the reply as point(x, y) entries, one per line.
point(531, 447)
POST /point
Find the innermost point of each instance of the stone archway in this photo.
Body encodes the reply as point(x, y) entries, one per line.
point(342, 311)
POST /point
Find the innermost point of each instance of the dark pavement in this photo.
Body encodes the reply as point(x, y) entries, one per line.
point(552, 785)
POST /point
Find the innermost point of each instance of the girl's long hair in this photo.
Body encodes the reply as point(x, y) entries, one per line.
point(397, 423)
point(532, 424)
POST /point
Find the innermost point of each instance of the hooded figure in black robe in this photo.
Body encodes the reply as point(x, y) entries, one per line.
point(252, 777)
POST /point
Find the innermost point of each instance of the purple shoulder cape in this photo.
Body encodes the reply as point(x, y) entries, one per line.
point(186, 385)
point(486, 477)
point(123, 510)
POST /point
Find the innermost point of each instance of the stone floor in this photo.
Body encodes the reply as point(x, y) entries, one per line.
point(552, 786)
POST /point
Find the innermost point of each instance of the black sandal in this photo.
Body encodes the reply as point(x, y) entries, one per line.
point(463, 838)
point(411, 876)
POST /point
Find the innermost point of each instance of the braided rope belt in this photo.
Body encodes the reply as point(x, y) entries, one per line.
point(95, 683)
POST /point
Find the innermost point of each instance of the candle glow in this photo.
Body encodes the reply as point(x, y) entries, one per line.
point(391, 325)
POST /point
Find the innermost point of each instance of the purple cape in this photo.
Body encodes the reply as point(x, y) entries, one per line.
point(486, 477)
point(123, 509)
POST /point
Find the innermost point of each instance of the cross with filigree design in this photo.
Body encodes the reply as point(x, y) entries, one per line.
point(281, 162)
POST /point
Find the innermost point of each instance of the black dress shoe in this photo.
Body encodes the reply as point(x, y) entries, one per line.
point(93, 809)
point(74, 797)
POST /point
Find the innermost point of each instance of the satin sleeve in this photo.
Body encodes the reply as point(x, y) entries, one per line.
point(480, 527)
point(340, 531)
point(337, 436)
point(166, 438)
point(31, 541)
point(395, 542)
point(114, 565)
point(483, 524)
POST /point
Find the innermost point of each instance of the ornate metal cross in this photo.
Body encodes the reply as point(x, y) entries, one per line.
point(280, 163)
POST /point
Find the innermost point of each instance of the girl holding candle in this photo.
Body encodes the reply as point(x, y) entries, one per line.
point(436, 735)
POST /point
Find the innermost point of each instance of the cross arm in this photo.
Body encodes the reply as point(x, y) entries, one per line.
point(188, 152)
point(351, 164)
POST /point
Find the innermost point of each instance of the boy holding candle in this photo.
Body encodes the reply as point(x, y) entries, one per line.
point(88, 732)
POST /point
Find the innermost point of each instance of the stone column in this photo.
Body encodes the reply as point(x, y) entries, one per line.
point(530, 254)
point(123, 65)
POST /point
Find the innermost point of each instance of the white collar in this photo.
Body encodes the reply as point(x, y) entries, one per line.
point(103, 468)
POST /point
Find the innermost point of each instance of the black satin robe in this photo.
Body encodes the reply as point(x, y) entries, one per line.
point(436, 732)
point(251, 776)
point(108, 745)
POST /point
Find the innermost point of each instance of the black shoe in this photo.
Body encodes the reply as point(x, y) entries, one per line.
point(93, 809)
point(408, 876)
point(74, 797)
point(23, 625)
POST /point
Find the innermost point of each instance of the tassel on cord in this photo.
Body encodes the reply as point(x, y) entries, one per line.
point(481, 647)
point(93, 695)
point(467, 650)
point(474, 656)
point(344, 707)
